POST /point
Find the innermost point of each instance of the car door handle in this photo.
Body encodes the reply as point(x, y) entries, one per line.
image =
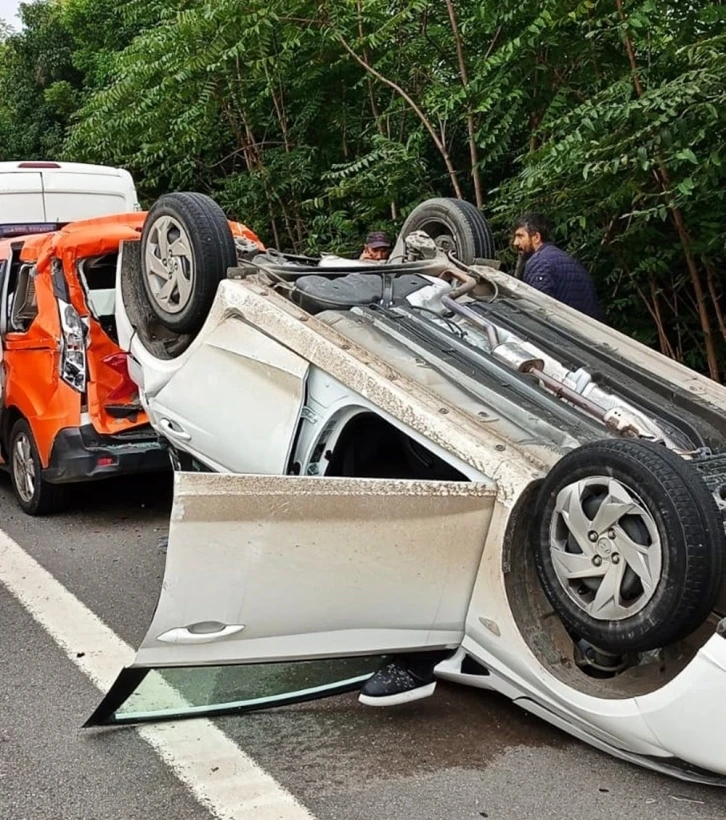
point(188, 635)
point(170, 430)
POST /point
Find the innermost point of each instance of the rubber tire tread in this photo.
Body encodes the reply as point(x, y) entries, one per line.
point(699, 535)
point(47, 498)
point(213, 248)
point(480, 228)
point(459, 211)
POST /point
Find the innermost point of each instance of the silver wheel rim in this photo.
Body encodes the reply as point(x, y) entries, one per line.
point(605, 547)
point(24, 468)
point(169, 265)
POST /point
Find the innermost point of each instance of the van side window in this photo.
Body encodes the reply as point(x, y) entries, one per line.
point(23, 304)
point(10, 285)
point(98, 278)
point(3, 274)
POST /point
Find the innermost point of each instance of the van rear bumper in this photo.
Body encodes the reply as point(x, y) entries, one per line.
point(82, 454)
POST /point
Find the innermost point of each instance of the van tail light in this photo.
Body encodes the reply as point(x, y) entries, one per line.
point(73, 347)
point(38, 165)
point(127, 390)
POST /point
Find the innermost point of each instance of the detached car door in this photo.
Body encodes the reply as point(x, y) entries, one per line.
point(281, 589)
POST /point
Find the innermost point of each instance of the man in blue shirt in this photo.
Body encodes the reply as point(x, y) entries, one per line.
point(551, 270)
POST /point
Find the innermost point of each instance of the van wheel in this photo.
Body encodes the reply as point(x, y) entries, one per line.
point(630, 545)
point(35, 496)
point(186, 249)
point(455, 225)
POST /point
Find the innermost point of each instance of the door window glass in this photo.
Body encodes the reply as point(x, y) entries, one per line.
point(142, 695)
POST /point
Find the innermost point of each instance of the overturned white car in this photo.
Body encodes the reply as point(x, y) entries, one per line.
point(415, 456)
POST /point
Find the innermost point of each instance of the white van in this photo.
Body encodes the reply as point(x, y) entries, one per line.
point(41, 196)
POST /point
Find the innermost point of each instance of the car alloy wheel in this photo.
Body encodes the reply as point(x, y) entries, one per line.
point(629, 545)
point(24, 468)
point(35, 495)
point(606, 550)
point(169, 264)
point(186, 250)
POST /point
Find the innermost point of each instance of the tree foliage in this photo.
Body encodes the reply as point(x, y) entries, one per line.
point(318, 120)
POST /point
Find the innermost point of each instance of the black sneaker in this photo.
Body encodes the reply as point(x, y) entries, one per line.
point(395, 684)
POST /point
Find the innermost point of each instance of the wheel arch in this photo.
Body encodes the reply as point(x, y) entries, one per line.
point(10, 416)
point(547, 636)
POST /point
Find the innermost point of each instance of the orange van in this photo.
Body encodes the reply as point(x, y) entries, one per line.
point(70, 412)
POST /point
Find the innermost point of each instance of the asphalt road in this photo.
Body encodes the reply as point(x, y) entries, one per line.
point(461, 754)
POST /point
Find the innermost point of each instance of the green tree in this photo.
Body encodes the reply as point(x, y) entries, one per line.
point(317, 120)
point(634, 175)
point(37, 84)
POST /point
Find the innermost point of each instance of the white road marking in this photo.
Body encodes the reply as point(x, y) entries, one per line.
point(237, 788)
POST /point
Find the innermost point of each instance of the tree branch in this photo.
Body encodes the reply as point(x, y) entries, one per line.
point(453, 176)
point(630, 50)
point(470, 127)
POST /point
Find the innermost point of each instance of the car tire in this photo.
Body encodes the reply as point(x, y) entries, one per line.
point(35, 495)
point(186, 250)
point(629, 545)
point(455, 225)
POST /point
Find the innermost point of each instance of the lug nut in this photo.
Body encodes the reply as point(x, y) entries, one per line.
point(611, 533)
point(592, 535)
point(597, 560)
point(615, 558)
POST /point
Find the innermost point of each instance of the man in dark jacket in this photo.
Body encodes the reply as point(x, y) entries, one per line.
point(551, 270)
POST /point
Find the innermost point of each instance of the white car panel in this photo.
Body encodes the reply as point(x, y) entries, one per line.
point(21, 198)
point(124, 329)
point(274, 583)
point(482, 445)
point(237, 380)
point(687, 714)
point(59, 192)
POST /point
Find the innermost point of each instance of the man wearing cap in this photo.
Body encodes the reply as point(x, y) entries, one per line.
point(377, 247)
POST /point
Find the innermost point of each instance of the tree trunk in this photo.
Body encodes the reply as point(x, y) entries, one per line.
point(374, 106)
point(470, 125)
point(665, 346)
point(651, 304)
point(711, 355)
point(715, 297)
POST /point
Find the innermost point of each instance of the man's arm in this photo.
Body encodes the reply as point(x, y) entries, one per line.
point(537, 274)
